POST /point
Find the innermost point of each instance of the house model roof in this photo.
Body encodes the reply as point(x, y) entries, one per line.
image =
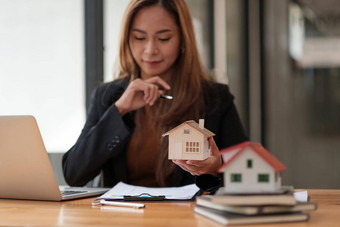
point(229, 154)
point(194, 125)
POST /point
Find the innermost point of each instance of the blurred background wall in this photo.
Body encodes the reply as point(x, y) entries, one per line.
point(281, 60)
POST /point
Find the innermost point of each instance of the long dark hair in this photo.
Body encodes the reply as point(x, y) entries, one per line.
point(186, 83)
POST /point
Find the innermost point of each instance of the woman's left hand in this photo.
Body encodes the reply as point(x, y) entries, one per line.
point(207, 166)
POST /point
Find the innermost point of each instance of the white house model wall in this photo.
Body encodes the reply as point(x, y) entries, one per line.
point(249, 168)
point(249, 175)
point(189, 141)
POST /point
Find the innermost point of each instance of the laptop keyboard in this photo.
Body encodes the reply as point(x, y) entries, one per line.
point(71, 192)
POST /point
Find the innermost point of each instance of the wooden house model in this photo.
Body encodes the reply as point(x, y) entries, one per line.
point(249, 167)
point(189, 141)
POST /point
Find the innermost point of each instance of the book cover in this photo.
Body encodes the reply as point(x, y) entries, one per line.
point(263, 199)
point(206, 201)
point(227, 218)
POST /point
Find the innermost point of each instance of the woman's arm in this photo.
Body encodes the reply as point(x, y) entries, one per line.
point(108, 126)
point(102, 138)
point(224, 121)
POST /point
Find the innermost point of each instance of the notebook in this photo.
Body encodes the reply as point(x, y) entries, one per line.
point(25, 168)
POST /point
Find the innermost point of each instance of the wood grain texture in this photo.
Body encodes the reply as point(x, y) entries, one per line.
point(82, 213)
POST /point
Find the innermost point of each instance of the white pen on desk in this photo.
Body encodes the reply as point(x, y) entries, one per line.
point(123, 204)
point(166, 96)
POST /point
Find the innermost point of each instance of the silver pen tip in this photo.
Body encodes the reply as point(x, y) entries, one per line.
point(166, 96)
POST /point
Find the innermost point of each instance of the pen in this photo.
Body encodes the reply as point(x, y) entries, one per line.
point(124, 204)
point(166, 96)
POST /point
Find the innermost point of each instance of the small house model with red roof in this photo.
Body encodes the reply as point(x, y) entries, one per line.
point(189, 141)
point(248, 167)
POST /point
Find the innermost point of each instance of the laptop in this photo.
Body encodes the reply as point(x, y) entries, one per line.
point(25, 168)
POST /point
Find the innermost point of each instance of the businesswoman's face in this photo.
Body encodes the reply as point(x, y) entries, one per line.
point(154, 41)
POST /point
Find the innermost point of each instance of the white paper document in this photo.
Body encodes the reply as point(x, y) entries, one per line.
point(171, 193)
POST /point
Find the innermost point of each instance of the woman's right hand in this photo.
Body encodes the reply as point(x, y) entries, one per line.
point(140, 93)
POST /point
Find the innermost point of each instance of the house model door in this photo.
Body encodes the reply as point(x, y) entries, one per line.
point(178, 150)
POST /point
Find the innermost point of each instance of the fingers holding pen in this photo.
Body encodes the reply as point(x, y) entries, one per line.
point(151, 93)
point(155, 89)
point(140, 93)
point(159, 81)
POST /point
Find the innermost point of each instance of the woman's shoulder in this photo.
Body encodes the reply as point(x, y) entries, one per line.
point(110, 91)
point(217, 91)
point(120, 83)
point(217, 98)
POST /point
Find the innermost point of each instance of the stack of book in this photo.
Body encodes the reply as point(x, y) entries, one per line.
point(233, 209)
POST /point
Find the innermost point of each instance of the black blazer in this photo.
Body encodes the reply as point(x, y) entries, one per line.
point(102, 143)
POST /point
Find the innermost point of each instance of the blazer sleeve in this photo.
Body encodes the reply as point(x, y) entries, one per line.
point(102, 138)
point(222, 119)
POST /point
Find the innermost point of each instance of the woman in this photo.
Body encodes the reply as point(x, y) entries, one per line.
point(122, 135)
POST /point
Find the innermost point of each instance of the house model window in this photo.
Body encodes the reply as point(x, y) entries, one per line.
point(192, 147)
point(249, 163)
point(186, 131)
point(236, 177)
point(263, 178)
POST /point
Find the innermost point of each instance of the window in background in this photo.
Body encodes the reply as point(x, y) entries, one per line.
point(42, 66)
point(315, 48)
point(113, 14)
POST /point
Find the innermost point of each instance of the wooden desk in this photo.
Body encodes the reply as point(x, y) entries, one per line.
point(82, 213)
